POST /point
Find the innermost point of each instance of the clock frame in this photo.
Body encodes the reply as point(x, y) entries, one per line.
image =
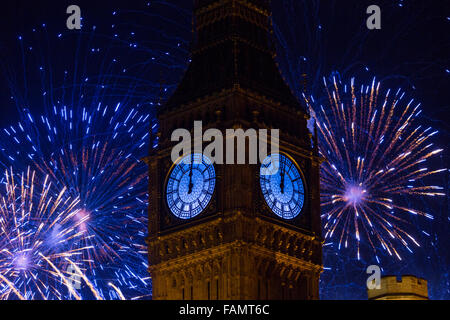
point(299, 204)
point(170, 219)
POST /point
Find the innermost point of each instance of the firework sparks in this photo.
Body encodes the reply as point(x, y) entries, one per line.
point(376, 154)
point(98, 165)
point(36, 223)
point(87, 129)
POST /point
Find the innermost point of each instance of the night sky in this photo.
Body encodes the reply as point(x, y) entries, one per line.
point(142, 49)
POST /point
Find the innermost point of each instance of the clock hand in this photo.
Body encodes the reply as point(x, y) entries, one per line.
point(191, 185)
point(282, 176)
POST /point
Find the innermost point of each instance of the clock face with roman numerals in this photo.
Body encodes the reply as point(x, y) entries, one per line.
point(282, 186)
point(190, 186)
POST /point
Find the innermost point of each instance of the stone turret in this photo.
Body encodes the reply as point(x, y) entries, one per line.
point(404, 288)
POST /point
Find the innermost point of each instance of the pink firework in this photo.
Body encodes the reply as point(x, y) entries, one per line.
point(377, 155)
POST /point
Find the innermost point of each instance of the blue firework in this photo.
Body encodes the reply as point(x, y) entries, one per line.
point(95, 154)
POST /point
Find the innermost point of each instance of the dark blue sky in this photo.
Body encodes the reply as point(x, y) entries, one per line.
point(412, 46)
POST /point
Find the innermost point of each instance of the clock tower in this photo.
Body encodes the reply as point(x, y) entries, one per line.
point(224, 231)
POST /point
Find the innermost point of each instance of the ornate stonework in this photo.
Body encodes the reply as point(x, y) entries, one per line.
point(244, 256)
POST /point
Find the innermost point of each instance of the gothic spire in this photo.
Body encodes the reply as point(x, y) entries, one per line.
point(232, 48)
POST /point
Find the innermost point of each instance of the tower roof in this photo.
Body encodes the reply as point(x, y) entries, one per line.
point(232, 48)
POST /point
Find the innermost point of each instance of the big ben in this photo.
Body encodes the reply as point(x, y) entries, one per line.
point(228, 231)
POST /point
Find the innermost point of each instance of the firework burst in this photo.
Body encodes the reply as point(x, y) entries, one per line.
point(36, 225)
point(93, 155)
point(87, 126)
point(376, 156)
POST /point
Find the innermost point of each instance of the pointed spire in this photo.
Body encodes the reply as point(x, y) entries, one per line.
point(232, 49)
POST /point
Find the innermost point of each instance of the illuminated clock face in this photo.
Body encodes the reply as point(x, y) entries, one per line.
point(282, 186)
point(190, 186)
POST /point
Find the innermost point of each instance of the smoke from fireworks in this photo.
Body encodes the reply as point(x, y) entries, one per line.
point(377, 155)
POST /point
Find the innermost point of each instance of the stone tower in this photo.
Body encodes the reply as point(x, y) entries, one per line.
point(237, 247)
point(404, 288)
